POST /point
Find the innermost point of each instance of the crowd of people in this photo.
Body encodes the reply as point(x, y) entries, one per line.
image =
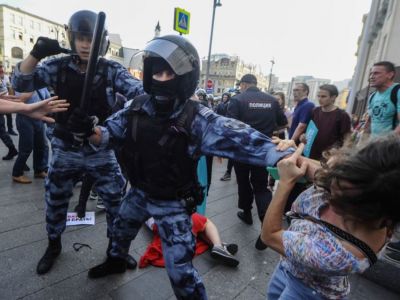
point(339, 218)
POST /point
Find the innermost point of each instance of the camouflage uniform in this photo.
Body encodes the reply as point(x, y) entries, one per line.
point(210, 134)
point(68, 164)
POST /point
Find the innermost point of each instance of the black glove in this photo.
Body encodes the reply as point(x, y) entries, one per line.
point(45, 47)
point(81, 125)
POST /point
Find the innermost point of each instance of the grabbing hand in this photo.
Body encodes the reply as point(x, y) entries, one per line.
point(282, 145)
point(291, 169)
point(45, 47)
point(81, 125)
point(303, 139)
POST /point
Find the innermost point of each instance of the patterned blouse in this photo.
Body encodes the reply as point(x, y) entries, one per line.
point(316, 256)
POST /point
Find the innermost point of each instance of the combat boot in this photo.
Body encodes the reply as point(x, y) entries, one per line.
point(131, 263)
point(112, 265)
point(52, 252)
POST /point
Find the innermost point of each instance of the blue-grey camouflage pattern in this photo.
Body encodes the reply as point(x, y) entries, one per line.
point(211, 134)
point(119, 80)
point(175, 229)
point(68, 165)
point(66, 168)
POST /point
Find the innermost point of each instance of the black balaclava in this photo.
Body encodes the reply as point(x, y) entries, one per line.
point(164, 92)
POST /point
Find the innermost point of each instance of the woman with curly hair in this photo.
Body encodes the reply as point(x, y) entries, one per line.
point(339, 225)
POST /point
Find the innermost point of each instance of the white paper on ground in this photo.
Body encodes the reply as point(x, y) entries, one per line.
point(88, 219)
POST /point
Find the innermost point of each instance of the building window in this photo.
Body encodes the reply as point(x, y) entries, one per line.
point(16, 52)
point(31, 40)
point(20, 36)
point(12, 18)
point(20, 20)
point(31, 24)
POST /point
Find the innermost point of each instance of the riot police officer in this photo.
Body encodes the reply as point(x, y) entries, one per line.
point(262, 112)
point(164, 133)
point(69, 162)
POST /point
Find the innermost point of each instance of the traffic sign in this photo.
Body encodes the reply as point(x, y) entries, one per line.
point(181, 20)
point(210, 84)
point(210, 90)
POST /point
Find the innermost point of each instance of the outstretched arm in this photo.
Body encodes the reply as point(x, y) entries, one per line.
point(37, 110)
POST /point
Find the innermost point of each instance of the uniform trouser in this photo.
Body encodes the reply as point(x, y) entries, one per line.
point(253, 184)
point(31, 138)
point(175, 229)
point(66, 168)
point(4, 136)
point(229, 166)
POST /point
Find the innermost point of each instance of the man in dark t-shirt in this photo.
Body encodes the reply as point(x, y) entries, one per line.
point(332, 122)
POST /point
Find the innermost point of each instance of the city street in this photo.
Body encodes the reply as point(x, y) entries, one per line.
point(23, 240)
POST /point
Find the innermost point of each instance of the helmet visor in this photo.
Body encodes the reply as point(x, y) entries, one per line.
point(178, 59)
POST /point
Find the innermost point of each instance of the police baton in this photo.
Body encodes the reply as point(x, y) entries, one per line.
point(91, 68)
point(93, 59)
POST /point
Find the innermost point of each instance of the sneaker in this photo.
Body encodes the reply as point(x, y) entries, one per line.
point(100, 204)
point(393, 257)
point(21, 179)
point(232, 248)
point(221, 254)
point(393, 246)
point(226, 177)
point(93, 196)
point(12, 152)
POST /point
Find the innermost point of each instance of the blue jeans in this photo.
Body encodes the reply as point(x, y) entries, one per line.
point(31, 138)
point(285, 286)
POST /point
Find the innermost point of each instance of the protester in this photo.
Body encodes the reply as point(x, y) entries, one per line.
point(39, 110)
point(302, 112)
point(207, 236)
point(31, 138)
point(384, 104)
point(281, 132)
point(72, 156)
point(262, 112)
point(5, 87)
point(339, 225)
point(222, 110)
point(333, 123)
point(163, 134)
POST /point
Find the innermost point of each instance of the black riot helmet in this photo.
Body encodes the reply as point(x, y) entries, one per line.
point(82, 23)
point(180, 55)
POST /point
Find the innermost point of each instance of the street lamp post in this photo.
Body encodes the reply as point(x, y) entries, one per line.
point(272, 61)
point(216, 3)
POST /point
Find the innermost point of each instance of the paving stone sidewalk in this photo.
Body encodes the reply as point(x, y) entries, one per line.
point(23, 240)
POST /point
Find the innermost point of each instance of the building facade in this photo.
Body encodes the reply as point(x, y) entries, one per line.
point(226, 71)
point(379, 40)
point(19, 31)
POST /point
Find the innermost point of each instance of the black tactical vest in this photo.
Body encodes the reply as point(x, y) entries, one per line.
point(156, 152)
point(70, 87)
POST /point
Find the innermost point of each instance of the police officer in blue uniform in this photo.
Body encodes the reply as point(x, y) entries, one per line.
point(262, 112)
point(69, 162)
point(164, 133)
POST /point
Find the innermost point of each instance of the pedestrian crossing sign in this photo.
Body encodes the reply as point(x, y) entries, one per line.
point(181, 20)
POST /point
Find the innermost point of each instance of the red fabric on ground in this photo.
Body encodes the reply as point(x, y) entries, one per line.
point(153, 254)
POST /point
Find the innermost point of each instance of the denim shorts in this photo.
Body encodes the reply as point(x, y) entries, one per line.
point(284, 286)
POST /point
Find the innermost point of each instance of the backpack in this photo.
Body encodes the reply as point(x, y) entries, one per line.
point(393, 98)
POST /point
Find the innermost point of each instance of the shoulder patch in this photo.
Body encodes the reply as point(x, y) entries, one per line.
point(234, 124)
point(205, 112)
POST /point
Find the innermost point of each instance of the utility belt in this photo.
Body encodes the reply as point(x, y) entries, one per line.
point(191, 194)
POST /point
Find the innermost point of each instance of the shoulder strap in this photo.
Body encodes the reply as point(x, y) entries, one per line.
point(134, 111)
point(393, 98)
point(370, 98)
point(363, 247)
